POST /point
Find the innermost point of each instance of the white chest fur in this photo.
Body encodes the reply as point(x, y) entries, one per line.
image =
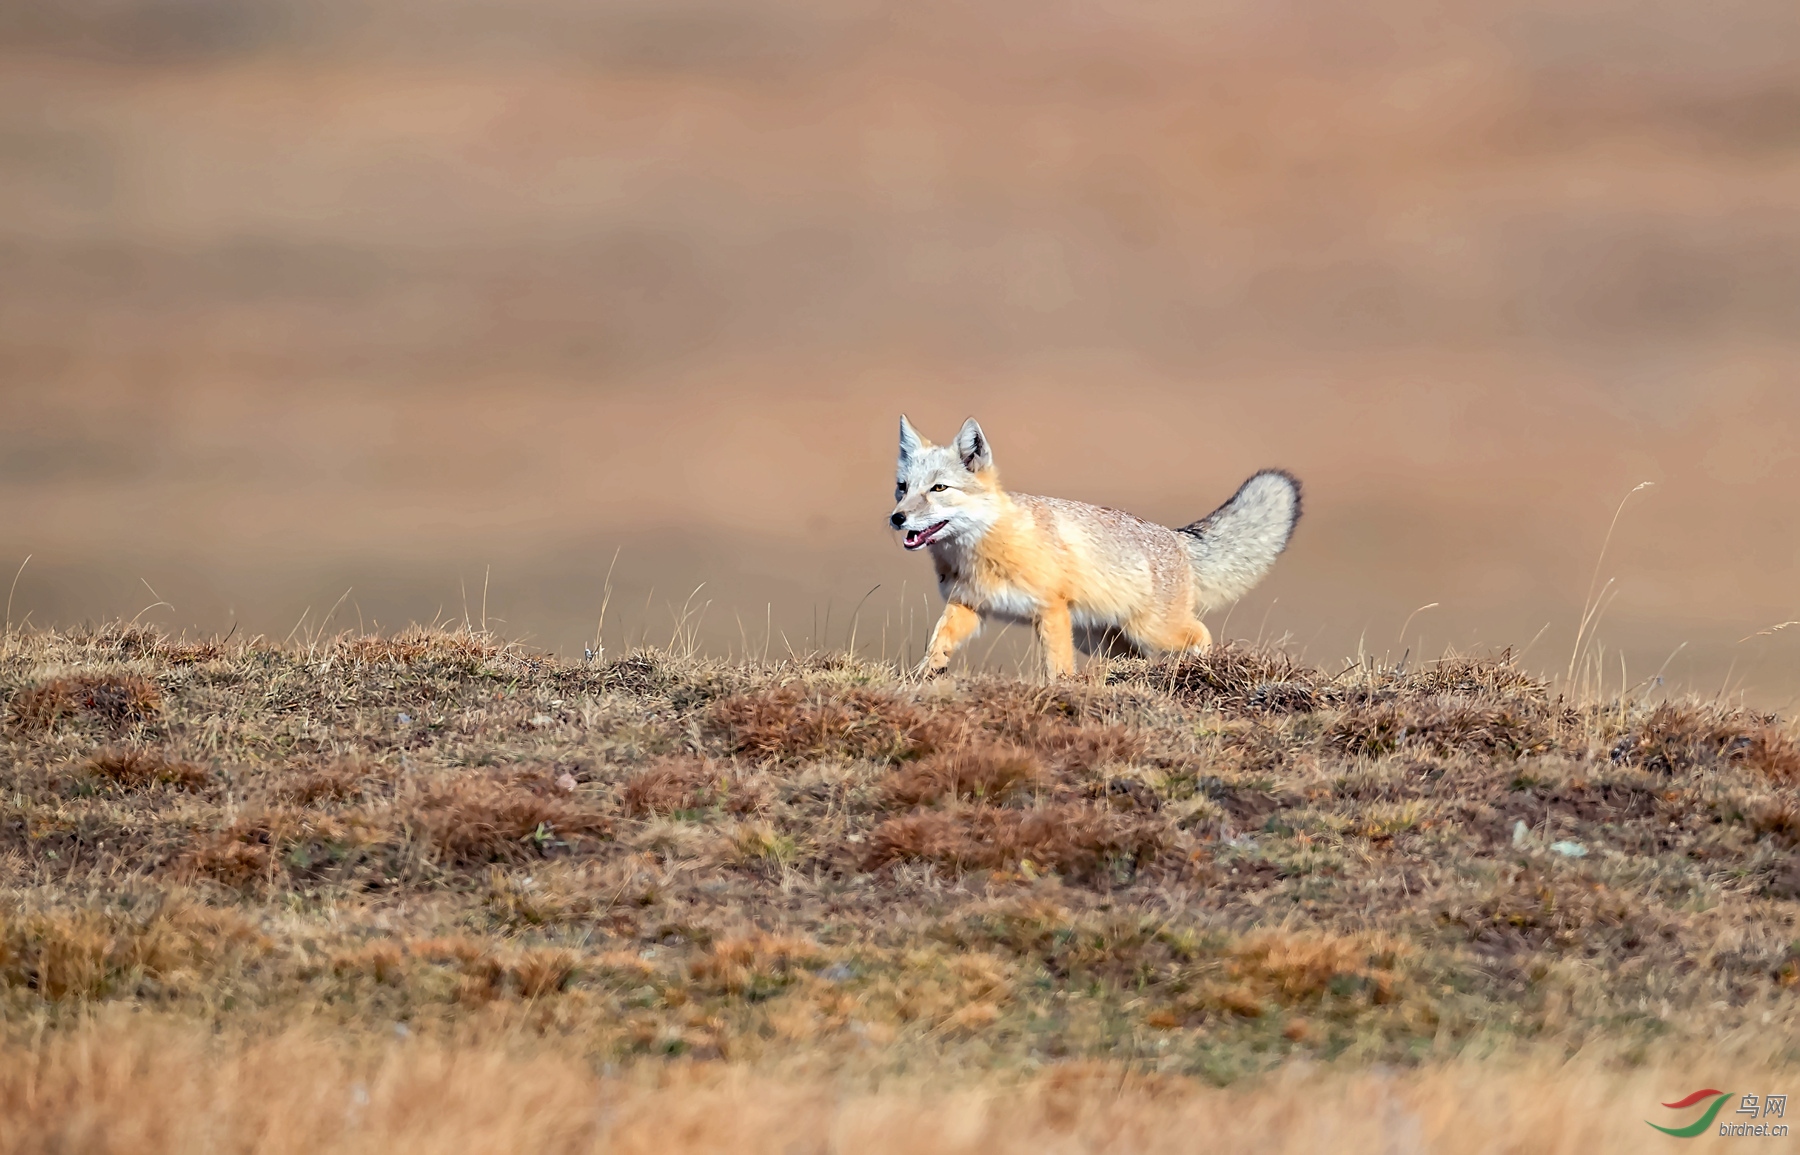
point(1004, 602)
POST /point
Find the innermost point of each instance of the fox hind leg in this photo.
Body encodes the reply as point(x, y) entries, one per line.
point(1181, 637)
point(956, 626)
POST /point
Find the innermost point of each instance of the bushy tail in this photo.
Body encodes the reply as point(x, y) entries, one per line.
point(1232, 547)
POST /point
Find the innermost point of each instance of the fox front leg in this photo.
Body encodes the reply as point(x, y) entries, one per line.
point(1056, 633)
point(957, 625)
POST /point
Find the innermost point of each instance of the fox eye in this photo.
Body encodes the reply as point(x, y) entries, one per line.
point(899, 492)
point(939, 487)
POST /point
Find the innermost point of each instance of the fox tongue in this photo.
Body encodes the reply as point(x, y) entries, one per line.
point(918, 537)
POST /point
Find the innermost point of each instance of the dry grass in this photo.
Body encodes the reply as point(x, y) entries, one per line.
point(111, 1090)
point(128, 949)
point(790, 721)
point(978, 773)
point(1211, 868)
point(1067, 838)
point(674, 785)
point(484, 817)
point(136, 769)
point(107, 698)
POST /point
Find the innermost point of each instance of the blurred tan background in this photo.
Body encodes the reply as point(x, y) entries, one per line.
point(300, 297)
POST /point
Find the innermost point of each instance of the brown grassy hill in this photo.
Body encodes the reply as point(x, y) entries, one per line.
point(814, 868)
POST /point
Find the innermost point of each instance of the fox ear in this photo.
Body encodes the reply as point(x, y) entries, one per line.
point(972, 447)
point(910, 441)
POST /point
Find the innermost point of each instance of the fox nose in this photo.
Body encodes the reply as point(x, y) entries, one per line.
point(898, 520)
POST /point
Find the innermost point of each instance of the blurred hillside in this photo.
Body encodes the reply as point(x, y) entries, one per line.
point(399, 297)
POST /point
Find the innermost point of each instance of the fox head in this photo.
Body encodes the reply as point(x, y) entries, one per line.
point(943, 493)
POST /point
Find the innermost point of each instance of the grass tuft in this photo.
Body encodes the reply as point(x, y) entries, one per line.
point(135, 768)
point(984, 773)
point(1074, 839)
point(484, 817)
point(113, 699)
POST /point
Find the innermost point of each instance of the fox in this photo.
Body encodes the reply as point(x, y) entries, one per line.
point(1084, 576)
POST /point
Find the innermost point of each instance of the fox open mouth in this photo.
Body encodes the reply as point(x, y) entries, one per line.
point(919, 538)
